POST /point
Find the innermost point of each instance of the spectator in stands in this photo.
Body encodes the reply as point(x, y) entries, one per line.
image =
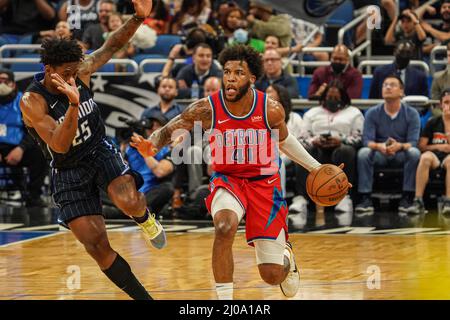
point(435, 145)
point(202, 68)
point(193, 13)
point(212, 84)
point(410, 29)
point(441, 31)
point(17, 148)
point(274, 74)
point(19, 18)
point(390, 136)
point(441, 79)
point(233, 19)
point(93, 37)
point(62, 30)
point(159, 19)
point(183, 51)
point(340, 69)
point(415, 80)
point(293, 120)
point(273, 42)
point(332, 133)
point(155, 170)
point(80, 19)
point(167, 91)
point(262, 22)
point(301, 29)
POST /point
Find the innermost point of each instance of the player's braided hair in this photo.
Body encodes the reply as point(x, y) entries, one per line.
point(243, 53)
point(57, 51)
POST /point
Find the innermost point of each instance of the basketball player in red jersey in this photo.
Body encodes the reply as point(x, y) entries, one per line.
point(246, 181)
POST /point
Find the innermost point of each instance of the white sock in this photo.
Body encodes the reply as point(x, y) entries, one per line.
point(224, 291)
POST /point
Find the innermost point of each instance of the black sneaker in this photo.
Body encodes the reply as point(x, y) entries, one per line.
point(365, 205)
point(406, 204)
point(418, 207)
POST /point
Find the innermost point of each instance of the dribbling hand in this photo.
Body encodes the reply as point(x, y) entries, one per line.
point(143, 8)
point(143, 146)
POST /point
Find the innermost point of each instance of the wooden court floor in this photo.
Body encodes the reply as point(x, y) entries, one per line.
point(331, 267)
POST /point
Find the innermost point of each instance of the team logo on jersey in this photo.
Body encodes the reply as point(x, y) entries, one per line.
point(257, 118)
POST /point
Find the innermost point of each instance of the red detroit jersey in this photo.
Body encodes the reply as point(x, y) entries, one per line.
point(243, 147)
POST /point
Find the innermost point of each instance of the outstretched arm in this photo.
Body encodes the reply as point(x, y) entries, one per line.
point(197, 111)
point(116, 41)
point(289, 145)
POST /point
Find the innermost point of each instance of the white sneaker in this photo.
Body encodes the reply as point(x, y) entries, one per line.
point(291, 284)
point(298, 212)
point(344, 211)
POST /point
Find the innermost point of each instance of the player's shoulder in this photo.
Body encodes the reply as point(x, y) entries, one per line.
point(32, 103)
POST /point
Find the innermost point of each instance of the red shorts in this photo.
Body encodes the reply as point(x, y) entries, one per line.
point(264, 207)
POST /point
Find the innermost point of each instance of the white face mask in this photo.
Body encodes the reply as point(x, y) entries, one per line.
point(5, 89)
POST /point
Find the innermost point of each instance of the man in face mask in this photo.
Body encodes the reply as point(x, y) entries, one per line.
point(17, 148)
point(415, 79)
point(339, 69)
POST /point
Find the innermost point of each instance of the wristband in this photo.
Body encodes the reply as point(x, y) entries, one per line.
point(74, 104)
point(140, 19)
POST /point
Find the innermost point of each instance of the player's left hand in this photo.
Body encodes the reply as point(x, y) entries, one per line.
point(143, 8)
point(143, 146)
point(341, 166)
point(15, 156)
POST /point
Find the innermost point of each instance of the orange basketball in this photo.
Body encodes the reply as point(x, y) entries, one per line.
point(327, 185)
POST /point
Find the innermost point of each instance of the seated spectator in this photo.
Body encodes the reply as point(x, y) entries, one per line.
point(390, 136)
point(415, 80)
point(17, 147)
point(274, 74)
point(293, 120)
point(301, 29)
point(262, 22)
point(79, 19)
point(192, 14)
point(19, 18)
point(434, 143)
point(441, 79)
point(183, 51)
point(410, 29)
point(155, 170)
point(167, 107)
point(93, 37)
point(233, 19)
point(202, 68)
point(273, 42)
point(159, 19)
point(441, 31)
point(332, 134)
point(212, 84)
point(62, 30)
point(340, 69)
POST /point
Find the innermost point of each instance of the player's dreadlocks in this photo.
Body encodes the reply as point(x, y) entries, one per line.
point(57, 51)
point(243, 53)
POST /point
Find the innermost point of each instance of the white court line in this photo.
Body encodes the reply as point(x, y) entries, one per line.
point(38, 228)
point(29, 240)
point(6, 226)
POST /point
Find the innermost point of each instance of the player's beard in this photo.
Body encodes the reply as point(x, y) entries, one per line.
point(241, 92)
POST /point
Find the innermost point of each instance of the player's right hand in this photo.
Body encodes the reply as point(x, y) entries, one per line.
point(68, 88)
point(143, 146)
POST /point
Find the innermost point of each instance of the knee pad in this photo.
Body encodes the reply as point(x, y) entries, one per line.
point(270, 251)
point(222, 200)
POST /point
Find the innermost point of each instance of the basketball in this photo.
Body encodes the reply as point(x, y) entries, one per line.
point(327, 185)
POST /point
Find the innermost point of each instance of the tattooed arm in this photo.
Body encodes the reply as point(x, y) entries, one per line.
point(198, 111)
point(115, 42)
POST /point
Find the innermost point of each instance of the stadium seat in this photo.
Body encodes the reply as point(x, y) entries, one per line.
point(164, 44)
point(303, 85)
point(27, 66)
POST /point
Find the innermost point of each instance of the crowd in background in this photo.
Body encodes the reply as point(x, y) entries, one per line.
point(391, 133)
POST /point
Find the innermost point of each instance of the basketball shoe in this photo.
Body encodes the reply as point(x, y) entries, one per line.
point(291, 284)
point(155, 232)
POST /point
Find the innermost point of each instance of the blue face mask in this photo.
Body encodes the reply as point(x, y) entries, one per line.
point(240, 35)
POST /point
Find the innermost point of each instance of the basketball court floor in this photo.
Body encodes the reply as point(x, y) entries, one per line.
point(40, 261)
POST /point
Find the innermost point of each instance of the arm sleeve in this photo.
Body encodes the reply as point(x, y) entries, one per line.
point(296, 152)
